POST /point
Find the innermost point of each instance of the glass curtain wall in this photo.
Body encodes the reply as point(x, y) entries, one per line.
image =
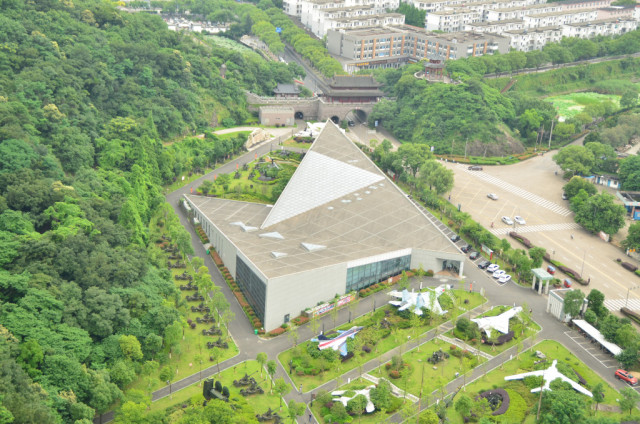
point(363, 276)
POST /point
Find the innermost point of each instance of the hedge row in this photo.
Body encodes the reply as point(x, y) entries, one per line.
point(631, 314)
point(203, 237)
point(521, 239)
point(385, 284)
point(235, 289)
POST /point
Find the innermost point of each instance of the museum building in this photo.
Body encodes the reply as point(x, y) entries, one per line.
point(339, 225)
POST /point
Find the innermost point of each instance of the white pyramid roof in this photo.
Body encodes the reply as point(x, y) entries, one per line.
point(318, 180)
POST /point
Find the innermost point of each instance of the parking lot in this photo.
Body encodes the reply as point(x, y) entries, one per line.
point(593, 349)
point(533, 190)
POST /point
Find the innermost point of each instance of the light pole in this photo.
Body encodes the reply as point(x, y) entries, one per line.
point(169, 383)
point(628, 290)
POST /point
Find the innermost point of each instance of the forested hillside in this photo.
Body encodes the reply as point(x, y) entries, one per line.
point(87, 96)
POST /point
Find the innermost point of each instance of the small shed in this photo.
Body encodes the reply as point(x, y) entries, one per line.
point(541, 278)
point(276, 115)
point(555, 304)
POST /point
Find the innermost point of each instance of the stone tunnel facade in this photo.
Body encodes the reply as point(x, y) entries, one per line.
point(314, 108)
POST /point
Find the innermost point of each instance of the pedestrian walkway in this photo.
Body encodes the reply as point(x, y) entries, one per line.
point(463, 345)
point(541, 201)
point(394, 389)
point(536, 228)
point(614, 305)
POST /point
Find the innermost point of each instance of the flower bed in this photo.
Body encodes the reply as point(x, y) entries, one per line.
point(501, 393)
point(385, 284)
point(203, 237)
point(235, 289)
point(521, 239)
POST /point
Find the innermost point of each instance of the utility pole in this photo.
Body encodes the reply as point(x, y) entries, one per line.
point(551, 132)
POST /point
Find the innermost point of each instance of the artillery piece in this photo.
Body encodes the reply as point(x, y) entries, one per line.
point(270, 415)
point(244, 381)
point(184, 276)
point(194, 298)
point(438, 356)
point(200, 308)
point(252, 390)
point(218, 343)
point(188, 287)
point(175, 257)
point(213, 331)
point(206, 318)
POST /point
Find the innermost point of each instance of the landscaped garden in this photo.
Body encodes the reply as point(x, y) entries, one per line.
point(383, 330)
point(519, 404)
point(430, 366)
point(521, 326)
point(327, 410)
point(570, 105)
point(258, 402)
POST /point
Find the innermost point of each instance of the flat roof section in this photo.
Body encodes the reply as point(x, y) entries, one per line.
point(363, 220)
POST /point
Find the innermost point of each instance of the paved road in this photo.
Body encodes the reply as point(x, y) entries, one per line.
point(250, 344)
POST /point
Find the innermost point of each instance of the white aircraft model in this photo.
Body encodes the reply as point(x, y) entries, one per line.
point(549, 375)
point(499, 322)
point(417, 301)
point(339, 342)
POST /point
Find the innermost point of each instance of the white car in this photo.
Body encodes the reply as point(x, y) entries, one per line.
point(493, 268)
point(492, 196)
point(504, 278)
point(519, 220)
point(507, 220)
point(499, 273)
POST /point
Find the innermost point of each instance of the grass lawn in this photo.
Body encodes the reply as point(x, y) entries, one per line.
point(357, 384)
point(553, 350)
point(397, 337)
point(529, 330)
point(293, 144)
point(259, 403)
point(569, 105)
point(434, 375)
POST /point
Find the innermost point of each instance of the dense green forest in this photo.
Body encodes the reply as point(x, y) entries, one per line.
point(87, 95)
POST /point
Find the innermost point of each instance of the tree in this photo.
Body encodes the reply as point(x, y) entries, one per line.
point(216, 354)
point(577, 159)
point(537, 255)
point(562, 407)
point(381, 395)
point(261, 357)
point(130, 347)
point(295, 409)
point(598, 394)
point(629, 356)
point(271, 370)
point(576, 184)
point(629, 173)
point(632, 241)
point(281, 387)
point(219, 412)
point(428, 417)
point(573, 302)
point(596, 303)
point(629, 399)
point(293, 335)
point(166, 374)
point(629, 99)
point(463, 405)
point(600, 213)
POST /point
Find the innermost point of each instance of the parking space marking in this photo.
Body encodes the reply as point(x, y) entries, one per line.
point(599, 356)
point(617, 304)
point(541, 201)
point(535, 228)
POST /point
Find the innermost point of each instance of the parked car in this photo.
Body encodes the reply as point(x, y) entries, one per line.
point(507, 220)
point(352, 123)
point(626, 377)
point(499, 273)
point(519, 220)
point(567, 283)
point(564, 196)
point(466, 248)
point(484, 264)
point(475, 168)
point(455, 238)
point(474, 255)
point(492, 196)
point(493, 268)
point(504, 278)
point(551, 269)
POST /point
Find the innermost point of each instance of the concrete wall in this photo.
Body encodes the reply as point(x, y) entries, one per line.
point(430, 260)
point(291, 294)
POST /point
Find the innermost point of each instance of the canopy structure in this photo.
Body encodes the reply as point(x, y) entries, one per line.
point(595, 334)
point(500, 322)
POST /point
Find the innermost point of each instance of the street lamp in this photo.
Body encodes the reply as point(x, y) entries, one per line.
point(169, 383)
point(628, 290)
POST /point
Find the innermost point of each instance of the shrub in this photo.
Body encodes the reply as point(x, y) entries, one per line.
point(521, 239)
point(533, 381)
point(629, 267)
point(516, 408)
point(395, 374)
point(276, 331)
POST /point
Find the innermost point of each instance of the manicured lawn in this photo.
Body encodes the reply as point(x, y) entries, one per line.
point(357, 384)
point(431, 376)
point(553, 350)
point(259, 403)
point(398, 336)
point(291, 143)
point(530, 329)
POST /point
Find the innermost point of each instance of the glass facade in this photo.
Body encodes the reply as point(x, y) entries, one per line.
point(363, 276)
point(252, 287)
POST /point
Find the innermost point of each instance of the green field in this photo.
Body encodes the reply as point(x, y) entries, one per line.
point(228, 44)
point(569, 105)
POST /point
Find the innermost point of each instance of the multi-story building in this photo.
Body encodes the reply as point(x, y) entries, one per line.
point(511, 13)
point(584, 4)
point(528, 39)
point(497, 27)
point(452, 20)
point(396, 45)
point(616, 12)
point(560, 18)
point(602, 27)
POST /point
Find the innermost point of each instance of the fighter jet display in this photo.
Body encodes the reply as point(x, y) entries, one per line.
point(339, 342)
point(549, 375)
point(416, 301)
point(499, 322)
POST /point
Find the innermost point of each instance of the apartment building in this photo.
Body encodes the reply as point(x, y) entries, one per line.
point(606, 27)
point(393, 46)
point(497, 27)
point(511, 13)
point(452, 20)
point(617, 12)
point(560, 18)
point(528, 39)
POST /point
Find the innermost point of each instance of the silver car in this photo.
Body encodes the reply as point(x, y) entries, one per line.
point(507, 220)
point(492, 196)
